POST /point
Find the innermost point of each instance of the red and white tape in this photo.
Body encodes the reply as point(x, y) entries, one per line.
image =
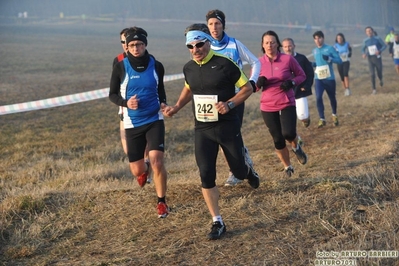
point(66, 100)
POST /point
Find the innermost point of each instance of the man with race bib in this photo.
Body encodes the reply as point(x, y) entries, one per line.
point(210, 83)
point(325, 55)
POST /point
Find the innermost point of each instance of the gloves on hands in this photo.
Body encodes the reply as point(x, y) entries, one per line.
point(253, 85)
point(350, 52)
point(261, 83)
point(287, 85)
point(326, 58)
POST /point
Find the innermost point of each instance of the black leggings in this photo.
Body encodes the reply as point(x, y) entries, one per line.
point(375, 63)
point(281, 125)
point(227, 135)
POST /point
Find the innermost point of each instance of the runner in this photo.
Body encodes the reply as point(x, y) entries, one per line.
point(345, 52)
point(239, 53)
point(372, 48)
point(210, 82)
point(325, 55)
point(137, 85)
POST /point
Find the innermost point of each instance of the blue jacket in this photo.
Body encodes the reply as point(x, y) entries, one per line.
point(370, 42)
point(333, 57)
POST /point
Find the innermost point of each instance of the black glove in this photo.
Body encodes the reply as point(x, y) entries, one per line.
point(326, 58)
point(262, 80)
point(253, 85)
point(350, 52)
point(120, 117)
point(286, 85)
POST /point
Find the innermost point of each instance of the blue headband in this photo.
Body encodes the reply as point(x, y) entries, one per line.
point(197, 35)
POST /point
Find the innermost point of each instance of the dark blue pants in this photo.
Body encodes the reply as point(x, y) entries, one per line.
point(329, 86)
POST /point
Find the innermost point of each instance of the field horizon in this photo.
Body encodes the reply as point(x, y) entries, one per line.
point(67, 196)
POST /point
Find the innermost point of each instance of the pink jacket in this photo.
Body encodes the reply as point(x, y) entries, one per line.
point(284, 67)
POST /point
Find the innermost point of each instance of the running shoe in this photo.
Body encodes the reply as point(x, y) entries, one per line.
point(347, 92)
point(163, 210)
point(289, 170)
point(381, 83)
point(322, 123)
point(142, 179)
point(335, 120)
point(306, 122)
point(300, 155)
point(217, 230)
point(232, 181)
point(253, 178)
point(374, 92)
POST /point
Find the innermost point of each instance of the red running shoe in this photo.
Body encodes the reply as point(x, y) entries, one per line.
point(163, 210)
point(142, 179)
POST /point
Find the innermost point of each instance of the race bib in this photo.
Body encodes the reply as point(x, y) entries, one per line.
point(344, 57)
point(323, 72)
point(396, 53)
point(205, 110)
point(372, 49)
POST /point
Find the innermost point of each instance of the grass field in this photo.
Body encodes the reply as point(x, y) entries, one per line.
point(67, 196)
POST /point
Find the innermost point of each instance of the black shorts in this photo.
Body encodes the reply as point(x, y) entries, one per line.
point(343, 69)
point(137, 139)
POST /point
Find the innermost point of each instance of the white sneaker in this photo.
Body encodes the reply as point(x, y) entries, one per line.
point(289, 171)
point(232, 181)
point(347, 92)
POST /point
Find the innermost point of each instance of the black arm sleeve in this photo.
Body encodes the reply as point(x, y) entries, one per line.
point(114, 95)
point(309, 74)
point(114, 62)
point(308, 69)
point(161, 87)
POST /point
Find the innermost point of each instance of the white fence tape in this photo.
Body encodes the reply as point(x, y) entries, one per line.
point(66, 100)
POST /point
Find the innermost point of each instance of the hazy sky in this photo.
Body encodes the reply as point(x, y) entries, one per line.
point(315, 12)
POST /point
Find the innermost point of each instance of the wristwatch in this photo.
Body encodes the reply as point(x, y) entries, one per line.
point(231, 105)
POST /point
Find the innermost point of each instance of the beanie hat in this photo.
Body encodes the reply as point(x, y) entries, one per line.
point(136, 33)
point(217, 14)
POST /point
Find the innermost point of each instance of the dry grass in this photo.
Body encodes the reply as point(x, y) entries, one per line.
point(68, 198)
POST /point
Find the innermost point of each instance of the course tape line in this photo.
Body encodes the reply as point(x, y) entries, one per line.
point(75, 98)
point(66, 100)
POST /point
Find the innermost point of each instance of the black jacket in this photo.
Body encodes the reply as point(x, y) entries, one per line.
point(307, 84)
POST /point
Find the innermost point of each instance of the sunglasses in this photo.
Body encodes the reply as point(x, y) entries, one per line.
point(198, 45)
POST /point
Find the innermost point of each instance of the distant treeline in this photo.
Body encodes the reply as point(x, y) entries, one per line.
point(295, 12)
